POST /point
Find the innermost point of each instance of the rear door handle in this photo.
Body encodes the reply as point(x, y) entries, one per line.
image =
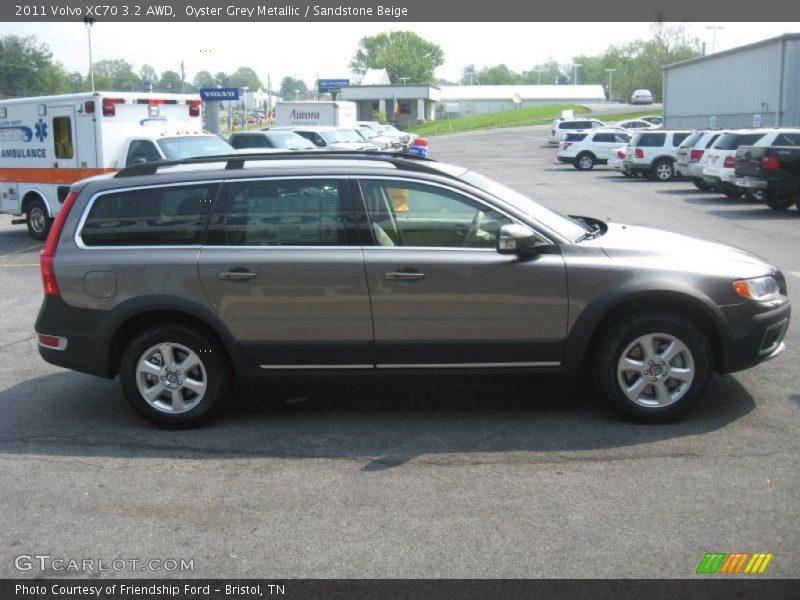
point(403, 276)
point(236, 275)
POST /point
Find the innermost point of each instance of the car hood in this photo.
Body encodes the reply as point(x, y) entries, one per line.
point(654, 247)
point(348, 146)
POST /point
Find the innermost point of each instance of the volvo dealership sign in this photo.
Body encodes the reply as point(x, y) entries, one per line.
point(219, 94)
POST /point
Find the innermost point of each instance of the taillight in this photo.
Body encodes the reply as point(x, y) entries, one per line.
point(48, 253)
point(194, 108)
point(620, 153)
point(770, 163)
point(638, 153)
point(697, 155)
point(109, 106)
point(88, 106)
point(730, 162)
point(566, 145)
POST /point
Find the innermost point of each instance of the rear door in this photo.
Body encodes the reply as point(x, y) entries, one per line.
point(441, 294)
point(65, 148)
point(283, 270)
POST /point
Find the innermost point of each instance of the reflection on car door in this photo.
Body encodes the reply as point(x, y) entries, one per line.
point(283, 271)
point(442, 296)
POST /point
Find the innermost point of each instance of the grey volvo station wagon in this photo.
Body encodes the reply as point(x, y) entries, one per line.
point(181, 277)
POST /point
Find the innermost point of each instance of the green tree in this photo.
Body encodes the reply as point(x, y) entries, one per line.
point(290, 86)
point(169, 82)
point(221, 78)
point(116, 75)
point(148, 73)
point(401, 53)
point(204, 79)
point(245, 76)
point(27, 69)
point(497, 75)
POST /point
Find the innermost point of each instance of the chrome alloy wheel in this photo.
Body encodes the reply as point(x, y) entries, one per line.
point(655, 370)
point(664, 171)
point(586, 162)
point(171, 378)
point(37, 219)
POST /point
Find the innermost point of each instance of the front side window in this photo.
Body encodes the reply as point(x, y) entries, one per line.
point(787, 139)
point(62, 137)
point(282, 212)
point(159, 216)
point(419, 215)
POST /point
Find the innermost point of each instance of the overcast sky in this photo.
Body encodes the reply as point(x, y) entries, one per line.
point(307, 49)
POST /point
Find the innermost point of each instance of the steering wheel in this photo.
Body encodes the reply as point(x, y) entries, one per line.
point(474, 229)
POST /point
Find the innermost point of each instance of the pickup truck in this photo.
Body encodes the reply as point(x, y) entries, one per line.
point(772, 170)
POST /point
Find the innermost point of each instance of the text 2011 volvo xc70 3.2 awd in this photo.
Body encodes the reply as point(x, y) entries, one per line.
point(183, 276)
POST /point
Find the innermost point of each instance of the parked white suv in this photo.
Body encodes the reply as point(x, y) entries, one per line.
point(330, 138)
point(720, 173)
point(653, 153)
point(692, 157)
point(561, 127)
point(585, 149)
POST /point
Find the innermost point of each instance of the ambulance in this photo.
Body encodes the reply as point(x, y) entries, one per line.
point(49, 142)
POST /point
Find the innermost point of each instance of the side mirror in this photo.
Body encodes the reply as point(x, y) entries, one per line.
point(517, 239)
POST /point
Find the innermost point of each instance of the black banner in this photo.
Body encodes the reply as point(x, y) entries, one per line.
point(408, 589)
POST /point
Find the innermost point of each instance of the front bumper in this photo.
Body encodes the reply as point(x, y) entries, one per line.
point(761, 339)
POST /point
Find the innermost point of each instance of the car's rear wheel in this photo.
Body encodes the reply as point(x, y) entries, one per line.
point(584, 161)
point(663, 170)
point(652, 367)
point(174, 377)
point(701, 184)
point(37, 220)
point(731, 191)
point(778, 201)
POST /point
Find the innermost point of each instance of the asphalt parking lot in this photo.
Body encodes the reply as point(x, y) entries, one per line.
point(492, 479)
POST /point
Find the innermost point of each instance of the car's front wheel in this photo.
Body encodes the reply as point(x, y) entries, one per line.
point(174, 376)
point(653, 367)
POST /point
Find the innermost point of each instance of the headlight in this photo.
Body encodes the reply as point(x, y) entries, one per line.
point(762, 289)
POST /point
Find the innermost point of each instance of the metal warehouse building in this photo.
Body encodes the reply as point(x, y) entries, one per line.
point(741, 87)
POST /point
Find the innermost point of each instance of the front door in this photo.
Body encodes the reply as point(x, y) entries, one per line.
point(443, 297)
point(282, 269)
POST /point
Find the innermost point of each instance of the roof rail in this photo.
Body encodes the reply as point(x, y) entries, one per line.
point(411, 162)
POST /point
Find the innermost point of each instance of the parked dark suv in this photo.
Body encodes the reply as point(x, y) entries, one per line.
point(180, 277)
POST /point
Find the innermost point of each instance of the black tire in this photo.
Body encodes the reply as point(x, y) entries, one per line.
point(731, 191)
point(778, 201)
point(37, 220)
point(616, 341)
point(214, 373)
point(585, 161)
point(663, 170)
point(628, 174)
point(701, 184)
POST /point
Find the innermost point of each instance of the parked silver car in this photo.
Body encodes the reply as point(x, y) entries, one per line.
point(181, 277)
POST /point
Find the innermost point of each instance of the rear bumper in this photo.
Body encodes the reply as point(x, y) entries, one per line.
point(566, 159)
point(760, 340)
point(751, 183)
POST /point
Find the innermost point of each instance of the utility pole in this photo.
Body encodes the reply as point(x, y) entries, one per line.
point(609, 71)
point(183, 78)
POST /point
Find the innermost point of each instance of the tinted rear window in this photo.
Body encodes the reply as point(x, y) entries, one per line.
point(161, 216)
point(731, 141)
point(574, 137)
point(690, 141)
point(249, 141)
point(576, 125)
point(787, 139)
point(677, 138)
point(650, 140)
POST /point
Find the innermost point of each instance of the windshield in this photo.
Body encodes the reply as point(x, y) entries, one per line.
point(350, 135)
point(292, 141)
point(561, 224)
point(336, 137)
point(368, 133)
point(177, 148)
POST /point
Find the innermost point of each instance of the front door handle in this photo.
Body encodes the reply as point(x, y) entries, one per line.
point(404, 276)
point(236, 275)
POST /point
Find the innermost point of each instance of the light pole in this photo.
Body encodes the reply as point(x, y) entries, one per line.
point(714, 29)
point(88, 21)
point(609, 71)
point(244, 89)
point(539, 71)
point(575, 66)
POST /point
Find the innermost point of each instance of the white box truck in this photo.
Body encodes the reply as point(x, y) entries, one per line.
point(313, 114)
point(49, 142)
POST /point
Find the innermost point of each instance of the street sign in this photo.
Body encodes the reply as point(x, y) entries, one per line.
point(331, 86)
point(219, 94)
point(756, 121)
